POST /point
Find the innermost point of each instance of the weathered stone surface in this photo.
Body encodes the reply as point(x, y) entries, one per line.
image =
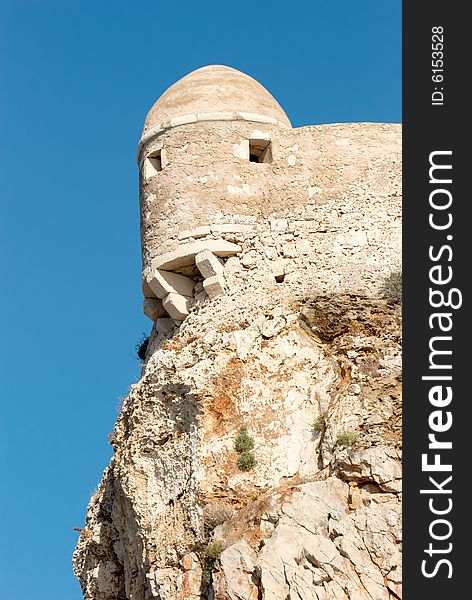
point(165, 282)
point(210, 91)
point(278, 269)
point(184, 255)
point(190, 588)
point(237, 566)
point(337, 537)
point(153, 309)
point(201, 297)
point(177, 306)
point(196, 233)
point(271, 327)
point(340, 226)
point(246, 340)
point(214, 286)
point(164, 326)
point(208, 264)
point(147, 292)
point(220, 228)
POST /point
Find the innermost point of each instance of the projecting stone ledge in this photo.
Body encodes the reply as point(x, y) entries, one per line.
point(177, 306)
point(165, 282)
point(153, 309)
point(185, 254)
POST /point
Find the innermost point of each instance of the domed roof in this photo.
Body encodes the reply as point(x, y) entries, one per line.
point(214, 92)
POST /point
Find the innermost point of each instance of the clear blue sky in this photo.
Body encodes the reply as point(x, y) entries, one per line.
point(77, 79)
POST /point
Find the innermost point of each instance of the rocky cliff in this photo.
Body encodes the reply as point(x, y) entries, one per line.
point(316, 381)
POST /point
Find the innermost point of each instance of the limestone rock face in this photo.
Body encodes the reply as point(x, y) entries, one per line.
point(318, 516)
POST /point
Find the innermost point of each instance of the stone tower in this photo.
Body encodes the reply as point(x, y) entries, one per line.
point(264, 250)
point(220, 163)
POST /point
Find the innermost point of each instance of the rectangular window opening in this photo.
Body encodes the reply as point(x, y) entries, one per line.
point(153, 164)
point(260, 151)
point(156, 160)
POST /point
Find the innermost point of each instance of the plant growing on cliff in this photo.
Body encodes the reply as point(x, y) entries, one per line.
point(243, 441)
point(246, 461)
point(212, 550)
point(319, 424)
point(243, 444)
point(209, 553)
point(391, 289)
point(346, 439)
point(142, 346)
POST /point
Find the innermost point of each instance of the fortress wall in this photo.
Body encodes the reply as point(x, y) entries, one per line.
point(324, 215)
point(205, 179)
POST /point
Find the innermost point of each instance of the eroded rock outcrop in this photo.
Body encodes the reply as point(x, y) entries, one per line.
point(317, 517)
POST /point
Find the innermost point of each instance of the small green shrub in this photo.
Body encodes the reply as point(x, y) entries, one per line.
point(246, 461)
point(346, 439)
point(209, 553)
point(243, 442)
point(142, 346)
point(319, 424)
point(212, 550)
point(391, 289)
